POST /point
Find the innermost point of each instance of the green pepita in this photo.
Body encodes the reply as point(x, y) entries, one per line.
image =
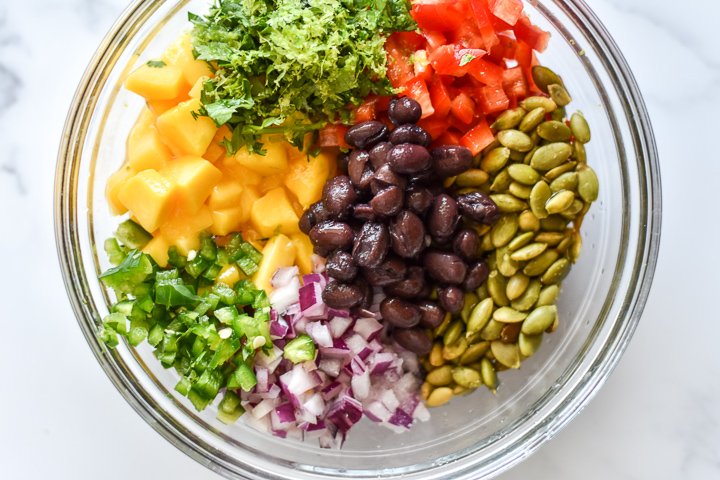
point(556, 271)
point(538, 265)
point(439, 396)
point(507, 354)
point(508, 315)
point(473, 177)
point(492, 330)
point(559, 201)
point(519, 190)
point(531, 103)
point(579, 152)
point(466, 377)
point(566, 181)
point(528, 252)
point(580, 128)
point(553, 223)
point(550, 156)
point(508, 119)
point(488, 374)
point(496, 287)
point(507, 203)
point(529, 344)
point(554, 131)
point(440, 377)
point(516, 286)
point(455, 350)
point(543, 77)
point(554, 173)
point(515, 140)
point(539, 194)
point(474, 353)
point(495, 159)
point(533, 118)
point(453, 333)
point(480, 315)
point(548, 295)
point(501, 182)
point(469, 302)
point(538, 320)
point(504, 230)
point(559, 94)
point(520, 241)
point(588, 184)
point(527, 220)
point(528, 298)
point(524, 174)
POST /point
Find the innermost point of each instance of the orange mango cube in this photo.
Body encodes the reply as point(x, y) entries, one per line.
point(184, 133)
point(156, 81)
point(158, 248)
point(307, 175)
point(273, 213)
point(303, 252)
point(149, 196)
point(278, 252)
point(195, 178)
point(146, 150)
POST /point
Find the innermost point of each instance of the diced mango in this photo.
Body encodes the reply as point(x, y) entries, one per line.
point(158, 107)
point(237, 172)
point(157, 248)
point(149, 196)
point(180, 54)
point(248, 199)
point(227, 220)
point(229, 275)
point(274, 161)
point(182, 132)
point(273, 213)
point(216, 149)
point(113, 186)
point(156, 81)
point(307, 175)
point(197, 87)
point(144, 120)
point(226, 194)
point(279, 252)
point(146, 150)
point(303, 252)
point(272, 182)
point(182, 224)
point(195, 178)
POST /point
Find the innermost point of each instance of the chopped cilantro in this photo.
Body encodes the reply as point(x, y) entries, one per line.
point(467, 58)
point(156, 63)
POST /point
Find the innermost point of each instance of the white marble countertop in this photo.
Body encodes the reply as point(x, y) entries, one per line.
point(658, 417)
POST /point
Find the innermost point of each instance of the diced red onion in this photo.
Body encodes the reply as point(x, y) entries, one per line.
point(283, 276)
point(311, 303)
point(401, 419)
point(361, 385)
point(331, 366)
point(261, 374)
point(320, 334)
point(377, 412)
point(367, 327)
point(381, 361)
point(278, 328)
point(282, 297)
point(285, 413)
point(264, 407)
point(339, 325)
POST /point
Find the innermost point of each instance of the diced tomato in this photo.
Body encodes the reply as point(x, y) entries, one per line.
point(440, 97)
point(463, 108)
point(482, 16)
point(523, 54)
point(486, 72)
point(434, 39)
point(400, 70)
point(333, 135)
point(478, 137)
point(505, 49)
point(409, 41)
point(441, 15)
point(422, 66)
point(493, 99)
point(450, 137)
point(508, 11)
point(453, 60)
point(417, 90)
point(434, 125)
point(534, 36)
point(514, 84)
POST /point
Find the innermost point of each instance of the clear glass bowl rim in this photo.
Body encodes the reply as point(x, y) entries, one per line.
point(648, 242)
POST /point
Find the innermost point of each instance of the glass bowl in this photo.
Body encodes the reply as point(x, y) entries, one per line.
point(475, 436)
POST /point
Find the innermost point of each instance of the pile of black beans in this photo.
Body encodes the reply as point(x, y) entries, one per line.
point(389, 222)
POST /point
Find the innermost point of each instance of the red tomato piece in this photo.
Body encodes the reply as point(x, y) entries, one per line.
point(434, 39)
point(453, 60)
point(493, 99)
point(422, 66)
point(450, 137)
point(417, 90)
point(400, 70)
point(508, 11)
point(440, 97)
point(434, 125)
point(478, 137)
point(514, 84)
point(333, 135)
point(440, 15)
point(463, 108)
point(505, 49)
point(523, 54)
point(409, 41)
point(485, 26)
point(532, 35)
point(486, 72)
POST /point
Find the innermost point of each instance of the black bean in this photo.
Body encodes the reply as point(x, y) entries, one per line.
point(407, 233)
point(416, 340)
point(409, 158)
point(479, 207)
point(476, 276)
point(451, 298)
point(366, 134)
point(432, 315)
point(390, 271)
point(410, 133)
point(342, 295)
point(312, 216)
point(425, 178)
point(378, 154)
point(443, 218)
point(404, 110)
point(384, 177)
point(371, 245)
point(451, 160)
point(358, 168)
point(341, 266)
point(445, 267)
point(467, 244)
point(338, 195)
point(307, 221)
point(331, 235)
point(364, 212)
point(409, 287)
point(419, 200)
point(367, 293)
point(400, 313)
point(388, 201)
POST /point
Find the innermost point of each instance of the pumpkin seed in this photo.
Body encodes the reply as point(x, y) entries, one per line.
point(510, 332)
point(482, 293)
point(533, 118)
point(527, 300)
point(435, 356)
point(502, 182)
point(580, 128)
point(579, 152)
point(466, 377)
point(538, 320)
point(560, 96)
point(493, 145)
point(588, 184)
point(474, 353)
point(440, 329)
point(425, 390)
point(459, 390)
point(507, 266)
point(553, 223)
point(519, 190)
point(548, 296)
point(520, 241)
point(528, 222)
point(492, 330)
point(528, 252)
point(529, 344)
point(559, 114)
point(550, 156)
point(559, 201)
point(563, 246)
point(528, 155)
point(538, 265)
point(516, 286)
point(473, 177)
point(515, 140)
point(451, 352)
point(524, 174)
point(508, 119)
point(516, 156)
point(508, 315)
point(439, 396)
point(555, 272)
point(507, 354)
point(550, 238)
point(486, 243)
point(539, 194)
point(453, 333)
point(495, 159)
point(440, 376)
point(496, 287)
point(554, 173)
point(469, 302)
point(531, 103)
point(575, 207)
point(479, 316)
point(507, 203)
point(554, 326)
point(504, 230)
point(554, 131)
point(543, 77)
point(566, 181)
point(488, 374)
point(576, 247)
